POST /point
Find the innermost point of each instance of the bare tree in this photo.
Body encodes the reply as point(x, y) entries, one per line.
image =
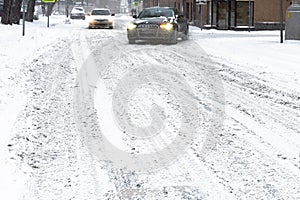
point(30, 10)
point(16, 9)
point(12, 9)
point(7, 9)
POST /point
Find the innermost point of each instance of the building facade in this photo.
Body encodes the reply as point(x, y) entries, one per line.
point(113, 5)
point(229, 14)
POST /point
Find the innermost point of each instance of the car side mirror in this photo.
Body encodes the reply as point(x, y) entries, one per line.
point(134, 16)
point(113, 14)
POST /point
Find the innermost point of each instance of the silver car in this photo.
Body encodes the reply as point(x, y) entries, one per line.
point(77, 13)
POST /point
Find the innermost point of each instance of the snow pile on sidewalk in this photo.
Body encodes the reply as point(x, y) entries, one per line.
point(16, 53)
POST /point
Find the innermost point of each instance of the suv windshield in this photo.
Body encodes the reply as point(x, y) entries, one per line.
point(156, 12)
point(100, 12)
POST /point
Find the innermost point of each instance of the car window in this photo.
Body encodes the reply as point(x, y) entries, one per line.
point(100, 12)
point(157, 12)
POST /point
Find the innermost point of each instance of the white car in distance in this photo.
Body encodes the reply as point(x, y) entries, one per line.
point(101, 18)
point(77, 13)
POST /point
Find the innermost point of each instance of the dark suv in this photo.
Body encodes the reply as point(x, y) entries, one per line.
point(164, 24)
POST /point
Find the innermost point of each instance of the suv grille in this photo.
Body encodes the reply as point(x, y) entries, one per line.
point(148, 26)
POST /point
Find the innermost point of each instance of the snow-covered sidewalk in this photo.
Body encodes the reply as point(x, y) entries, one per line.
point(17, 54)
point(257, 52)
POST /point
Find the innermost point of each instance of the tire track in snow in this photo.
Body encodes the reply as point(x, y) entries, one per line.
point(254, 163)
point(248, 173)
point(290, 166)
point(257, 88)
point(133, 59)
point(94, 180)
point(284, 151)
point(284, 136)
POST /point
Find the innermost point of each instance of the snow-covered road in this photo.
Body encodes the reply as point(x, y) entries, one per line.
point(85, 115)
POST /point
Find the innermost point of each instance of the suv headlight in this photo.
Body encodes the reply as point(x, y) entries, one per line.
point(167, 26)
point(131, 26)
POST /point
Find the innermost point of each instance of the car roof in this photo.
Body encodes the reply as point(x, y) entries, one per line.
point(157, 7)
point(100, 9)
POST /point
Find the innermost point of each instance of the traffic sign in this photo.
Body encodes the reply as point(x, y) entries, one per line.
point(48, 1)
point(136, 3)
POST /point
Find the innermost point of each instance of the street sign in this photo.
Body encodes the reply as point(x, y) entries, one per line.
point(136, 3)
point(48, 1)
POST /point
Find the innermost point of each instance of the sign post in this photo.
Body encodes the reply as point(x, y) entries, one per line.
point(23, 15)
point(48, 13)
point(281, 22)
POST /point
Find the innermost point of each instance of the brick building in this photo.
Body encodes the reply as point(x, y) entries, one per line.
point(113, 5)
point(229, 14)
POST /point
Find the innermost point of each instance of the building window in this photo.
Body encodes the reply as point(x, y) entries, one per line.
point(222, 15)
point(232, 14)
point(228, 14)
point(244, 13)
